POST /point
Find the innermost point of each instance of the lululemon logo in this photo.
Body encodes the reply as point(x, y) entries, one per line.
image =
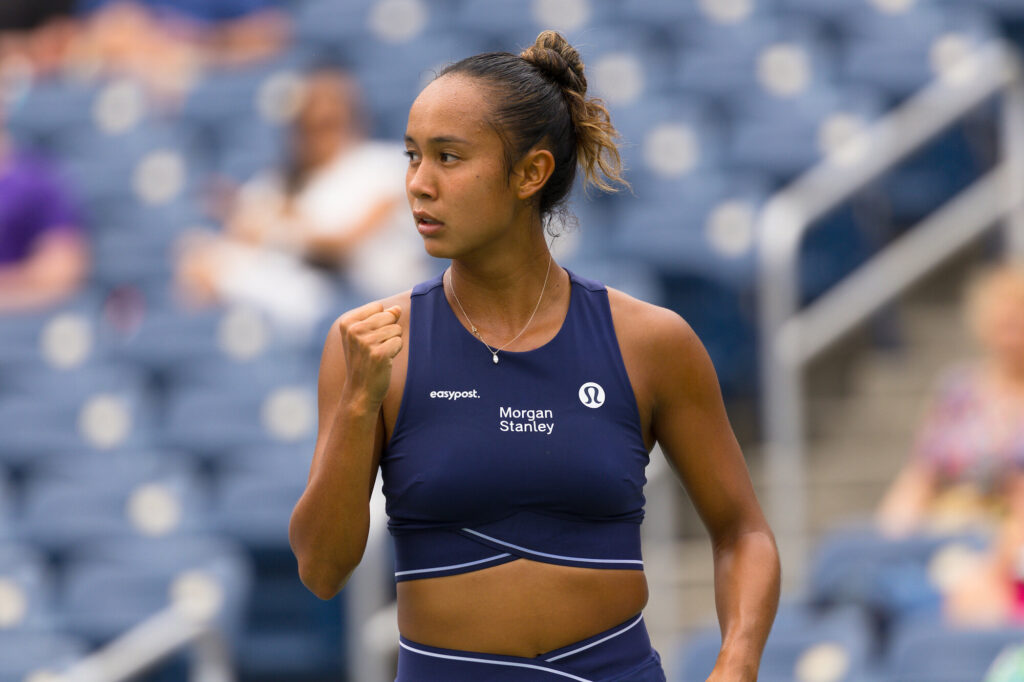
point(591, 394)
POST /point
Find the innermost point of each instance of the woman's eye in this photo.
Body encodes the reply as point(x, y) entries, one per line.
point(410, 154)
point(446, 157)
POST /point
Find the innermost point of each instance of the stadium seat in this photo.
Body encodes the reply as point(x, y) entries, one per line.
point(938, 653)
point(29, 655)
point(676, 15)
point(26, 590)
point(72, 385)
point(781, 55)
point(49, 109)
point(255, 492)
point(259, 375)
point(700, 225)
point(102, 422)
point(514, 26)
point(168, 338)
point(64, 336)
point(900, 53)
point(112, 585)
point(785, 136)
point(209, 422)
point(670, 136)
point(892, 578)
point(805, 645)
point(80, 498)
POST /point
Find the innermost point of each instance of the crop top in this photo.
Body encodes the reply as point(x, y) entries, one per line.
point(540, 456)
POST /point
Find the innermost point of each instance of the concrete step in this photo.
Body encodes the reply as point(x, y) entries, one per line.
point(873, 420)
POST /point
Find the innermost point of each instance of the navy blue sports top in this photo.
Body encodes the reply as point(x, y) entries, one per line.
point(540, 456)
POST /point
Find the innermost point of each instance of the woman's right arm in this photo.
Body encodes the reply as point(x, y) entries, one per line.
point(331, 521)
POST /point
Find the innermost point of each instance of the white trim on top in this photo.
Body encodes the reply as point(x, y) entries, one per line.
point(468, 659)
point(452, 566)
point(553, 556)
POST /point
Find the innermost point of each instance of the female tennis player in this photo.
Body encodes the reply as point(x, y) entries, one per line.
point(511, 405)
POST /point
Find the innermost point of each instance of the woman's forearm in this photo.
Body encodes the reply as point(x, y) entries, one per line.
point(331, 520)
point(747, 578)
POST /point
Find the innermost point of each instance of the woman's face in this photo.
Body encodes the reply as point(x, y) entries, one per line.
point(325, 119)
point(1000, 321)
point(457, 185)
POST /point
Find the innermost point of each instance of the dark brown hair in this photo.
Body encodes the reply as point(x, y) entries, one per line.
point(540, 99)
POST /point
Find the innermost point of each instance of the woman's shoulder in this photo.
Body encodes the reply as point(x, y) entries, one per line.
point(650, 326)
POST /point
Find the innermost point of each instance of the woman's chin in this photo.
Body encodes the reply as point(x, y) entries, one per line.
point(437, 249)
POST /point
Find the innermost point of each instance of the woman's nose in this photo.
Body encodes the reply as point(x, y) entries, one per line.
point(419, 181)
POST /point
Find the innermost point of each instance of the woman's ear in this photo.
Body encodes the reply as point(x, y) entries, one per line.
point(532, 172)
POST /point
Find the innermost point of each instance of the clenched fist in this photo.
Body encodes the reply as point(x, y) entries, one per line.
point(371, 338)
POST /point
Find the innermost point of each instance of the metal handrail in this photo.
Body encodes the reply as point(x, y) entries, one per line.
point(791, 337)
point(154, 640)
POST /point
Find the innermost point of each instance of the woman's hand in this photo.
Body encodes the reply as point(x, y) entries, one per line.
point(371, 338)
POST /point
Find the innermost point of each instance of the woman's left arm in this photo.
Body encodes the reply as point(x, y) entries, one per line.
point(688, 419)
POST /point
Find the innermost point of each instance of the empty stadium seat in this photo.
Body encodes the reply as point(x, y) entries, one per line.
point(64, 336)
point(209, 422)
point(26, 590)
point(902, 52)
point(805, 645)
point(102, 422)
point(80, 498)
point(112, 585)
point(29, 655)
point(937, 653)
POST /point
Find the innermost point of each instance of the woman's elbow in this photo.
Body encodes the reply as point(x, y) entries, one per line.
point(324, 580)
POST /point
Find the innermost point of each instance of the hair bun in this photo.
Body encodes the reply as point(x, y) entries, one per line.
point(559, 61)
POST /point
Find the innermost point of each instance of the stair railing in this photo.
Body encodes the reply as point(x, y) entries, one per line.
point(792, 337)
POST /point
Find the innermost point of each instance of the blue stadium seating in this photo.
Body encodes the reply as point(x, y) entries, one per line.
point(27, 590)
point(27, 653)
point(80, 498)
point(937, 653)
point(35, 427)
point(897, 52)
point(805, 644)
point(723, 59)
point(210, 422)
point(111, 585)
point(65, 335)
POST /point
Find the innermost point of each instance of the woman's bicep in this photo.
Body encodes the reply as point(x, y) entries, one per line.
point(691, 424)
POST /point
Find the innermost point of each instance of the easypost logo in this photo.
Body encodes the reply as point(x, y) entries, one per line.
point(454, 395)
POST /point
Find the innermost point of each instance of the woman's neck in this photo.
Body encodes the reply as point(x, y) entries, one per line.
point(500, 292)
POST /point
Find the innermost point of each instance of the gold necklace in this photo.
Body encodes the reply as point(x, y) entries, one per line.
point(494, 351)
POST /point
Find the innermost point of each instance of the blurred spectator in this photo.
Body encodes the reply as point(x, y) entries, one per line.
point(162, 43)
point(337, 207)
point(43, 252)
point(220, 31)
point(36, 32)
point(970, 450)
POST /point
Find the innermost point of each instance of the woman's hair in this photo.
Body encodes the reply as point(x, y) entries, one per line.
point(540, 99)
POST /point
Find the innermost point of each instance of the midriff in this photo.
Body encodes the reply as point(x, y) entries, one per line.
point(521, 608)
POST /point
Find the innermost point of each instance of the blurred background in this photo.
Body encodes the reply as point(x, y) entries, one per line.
point(191, 191)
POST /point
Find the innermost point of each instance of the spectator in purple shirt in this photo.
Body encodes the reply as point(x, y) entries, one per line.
point(44, 255)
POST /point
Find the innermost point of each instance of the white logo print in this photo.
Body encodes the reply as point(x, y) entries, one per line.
point(454, 395)
point(591, 394)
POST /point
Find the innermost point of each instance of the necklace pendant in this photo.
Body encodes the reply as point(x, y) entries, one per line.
point(495, 358)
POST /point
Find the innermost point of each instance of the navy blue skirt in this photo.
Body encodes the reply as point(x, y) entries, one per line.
point(618, 654)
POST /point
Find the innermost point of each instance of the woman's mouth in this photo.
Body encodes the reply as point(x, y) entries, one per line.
point(427, 224)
